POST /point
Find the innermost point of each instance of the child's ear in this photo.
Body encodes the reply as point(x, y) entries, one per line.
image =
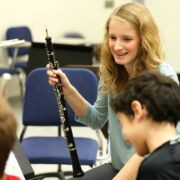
point(137, 109)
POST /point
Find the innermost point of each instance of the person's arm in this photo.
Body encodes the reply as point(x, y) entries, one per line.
point(78, 104)
point(94, 116)
point(130, 169)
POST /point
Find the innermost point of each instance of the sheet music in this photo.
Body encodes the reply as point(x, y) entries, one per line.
point(12, 167)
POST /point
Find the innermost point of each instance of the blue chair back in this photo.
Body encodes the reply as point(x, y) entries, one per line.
point(20, 32)
point(40, 101)
point(86, 82)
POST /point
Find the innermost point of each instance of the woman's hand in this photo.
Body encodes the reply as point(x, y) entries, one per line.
point(53, 77)
point(78, 104)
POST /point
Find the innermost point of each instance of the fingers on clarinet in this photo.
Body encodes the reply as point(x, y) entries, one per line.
point(52, 81)
point(52, 84)
point(59, 72)
point(48, 66)
point(50, 73)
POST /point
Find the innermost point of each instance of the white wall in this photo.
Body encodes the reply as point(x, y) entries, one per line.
point(167, 15)
point(88, 17)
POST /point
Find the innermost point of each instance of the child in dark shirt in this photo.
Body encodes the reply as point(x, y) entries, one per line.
point(148, 109)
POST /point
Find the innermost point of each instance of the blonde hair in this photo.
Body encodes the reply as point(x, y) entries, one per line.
point(114, 76)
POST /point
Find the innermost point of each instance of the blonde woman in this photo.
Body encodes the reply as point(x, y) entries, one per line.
point(131, 45)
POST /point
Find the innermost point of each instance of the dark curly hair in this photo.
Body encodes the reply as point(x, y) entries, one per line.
point(158, 93)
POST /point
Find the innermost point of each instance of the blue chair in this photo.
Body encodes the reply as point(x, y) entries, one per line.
point(18, 32)
point(40, 109)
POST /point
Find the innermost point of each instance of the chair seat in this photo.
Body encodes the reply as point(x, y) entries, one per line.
point(9, 71)
point(53, 150)
point(21, 65)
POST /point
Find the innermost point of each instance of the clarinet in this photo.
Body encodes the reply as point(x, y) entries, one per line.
point(77, 171)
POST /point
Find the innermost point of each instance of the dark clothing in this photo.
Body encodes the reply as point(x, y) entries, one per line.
point(103, 172)
point(163, 163)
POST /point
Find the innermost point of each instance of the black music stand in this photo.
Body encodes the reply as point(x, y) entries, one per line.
point(66, 54)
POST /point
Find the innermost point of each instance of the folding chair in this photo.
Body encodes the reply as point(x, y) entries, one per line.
point(21, 33)
point(40, 109)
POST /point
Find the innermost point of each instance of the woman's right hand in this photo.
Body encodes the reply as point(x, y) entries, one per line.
point(78, 104)
point(53, 76)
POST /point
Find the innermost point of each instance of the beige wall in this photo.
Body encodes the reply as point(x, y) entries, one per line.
point(88, 17)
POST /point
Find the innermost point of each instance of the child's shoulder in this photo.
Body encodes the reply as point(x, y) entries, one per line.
point(162, 156)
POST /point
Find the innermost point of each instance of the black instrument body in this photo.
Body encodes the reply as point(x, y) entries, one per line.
point(77, 171)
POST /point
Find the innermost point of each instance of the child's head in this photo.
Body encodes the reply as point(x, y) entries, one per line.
point(147, 97)
point(8, 128)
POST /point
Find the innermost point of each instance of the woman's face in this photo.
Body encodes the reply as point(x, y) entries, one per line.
point(124, 43)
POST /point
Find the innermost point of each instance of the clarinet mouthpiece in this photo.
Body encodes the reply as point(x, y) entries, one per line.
point(46, 32)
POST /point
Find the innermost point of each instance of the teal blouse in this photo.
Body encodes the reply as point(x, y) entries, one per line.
point(101, 111)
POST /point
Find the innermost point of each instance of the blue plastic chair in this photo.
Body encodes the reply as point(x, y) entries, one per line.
point(40, 109)
point(21, 33)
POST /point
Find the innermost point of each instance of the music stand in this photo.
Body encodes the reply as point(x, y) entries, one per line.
point(66, 55)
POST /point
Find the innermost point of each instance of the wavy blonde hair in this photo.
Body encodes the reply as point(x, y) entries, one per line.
point(114, 76)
